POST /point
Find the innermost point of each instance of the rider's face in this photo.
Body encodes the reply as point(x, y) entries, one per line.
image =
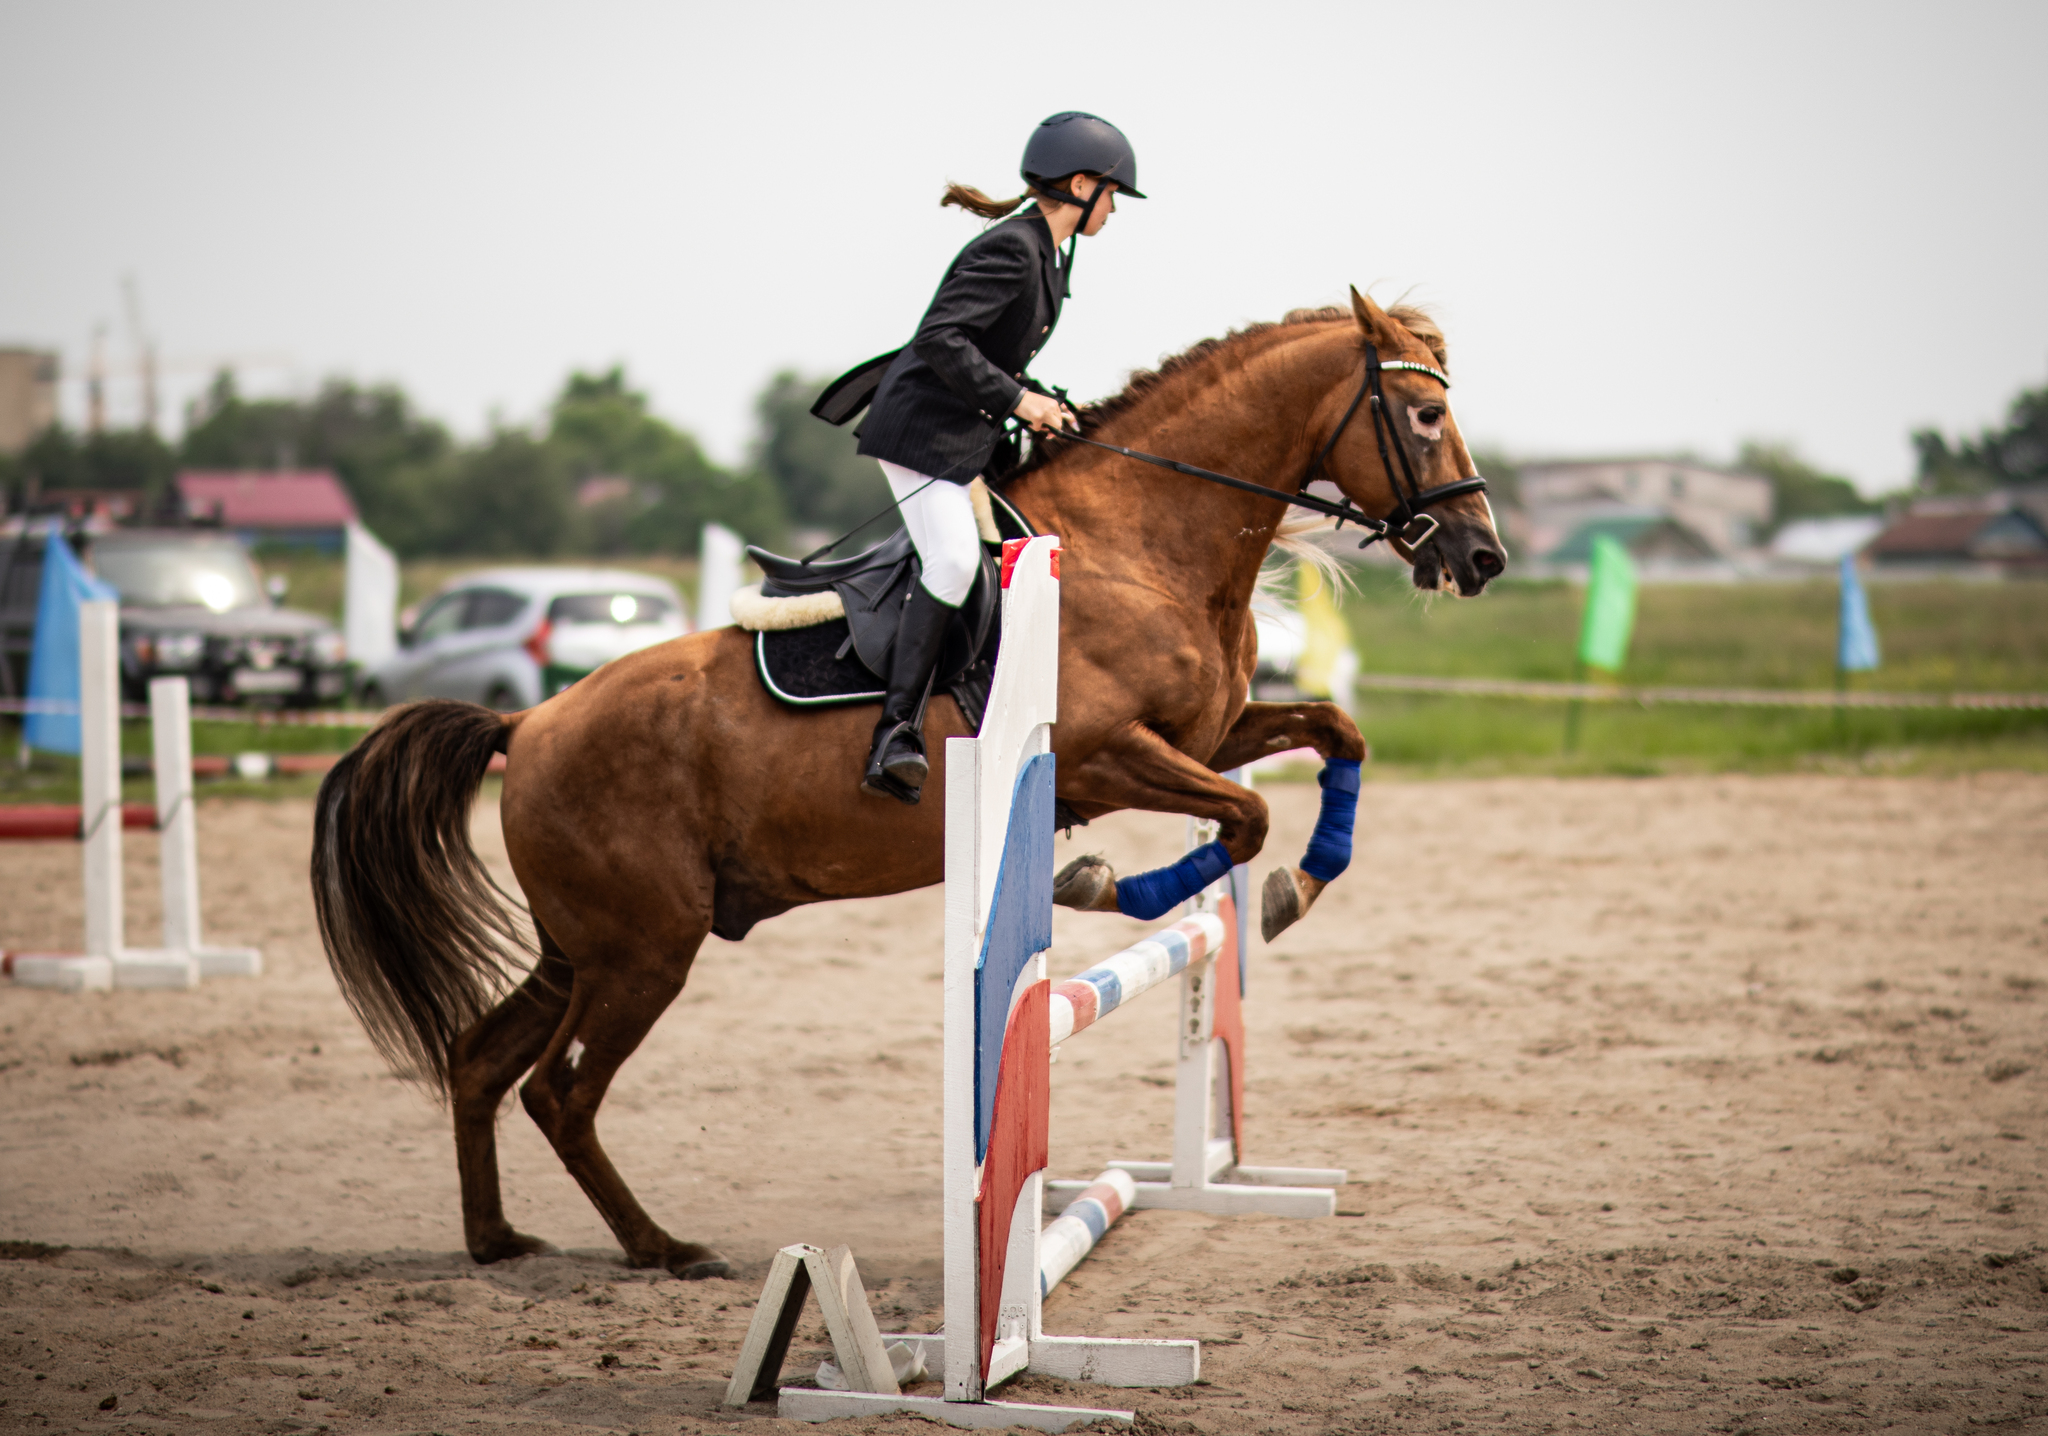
point(1083, 187)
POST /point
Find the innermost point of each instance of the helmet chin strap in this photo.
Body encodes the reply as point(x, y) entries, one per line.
point(1087, 208)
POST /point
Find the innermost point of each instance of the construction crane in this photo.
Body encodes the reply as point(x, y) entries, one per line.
point(145, 348)
point(149, 367)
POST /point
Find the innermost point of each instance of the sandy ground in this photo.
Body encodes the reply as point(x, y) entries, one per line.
point(1671, 1105)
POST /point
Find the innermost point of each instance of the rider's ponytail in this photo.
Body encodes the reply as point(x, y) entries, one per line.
point(975, 202)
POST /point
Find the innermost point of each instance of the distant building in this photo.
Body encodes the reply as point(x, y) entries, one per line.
point(1824, 541)
point(600, 489)
point(1649, 538)
point(1980, 533)
point(308, 507)
point(28, 396)
point(1723, 510)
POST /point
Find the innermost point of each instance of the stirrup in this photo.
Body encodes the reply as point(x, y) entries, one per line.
point(880, 781)
point(881, 785)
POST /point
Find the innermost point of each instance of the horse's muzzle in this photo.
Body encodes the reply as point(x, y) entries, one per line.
point(1464, 551)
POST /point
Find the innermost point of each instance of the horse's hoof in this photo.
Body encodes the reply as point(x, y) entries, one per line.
point(1087, 884)
point(690, 1262)
point(511, 1244)
point(1286, 899)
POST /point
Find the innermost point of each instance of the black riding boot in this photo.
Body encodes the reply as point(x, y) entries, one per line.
point(896, 763)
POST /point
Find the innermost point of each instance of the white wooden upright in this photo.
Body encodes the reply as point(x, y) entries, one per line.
point(170, 720)
point(99, 761)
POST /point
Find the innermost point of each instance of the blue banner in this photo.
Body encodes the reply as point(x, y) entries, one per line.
point(53, 664)
point(1856, 647)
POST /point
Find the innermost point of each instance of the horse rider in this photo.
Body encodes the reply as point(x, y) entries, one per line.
point(939, 411)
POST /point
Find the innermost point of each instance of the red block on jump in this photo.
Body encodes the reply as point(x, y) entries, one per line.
point(59, 822)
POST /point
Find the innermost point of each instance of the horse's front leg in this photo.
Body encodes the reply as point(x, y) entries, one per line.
point(1265, 728)
point(1139, 769)
point(1136, 768)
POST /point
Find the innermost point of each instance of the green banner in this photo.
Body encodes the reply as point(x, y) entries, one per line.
point(1610, 606)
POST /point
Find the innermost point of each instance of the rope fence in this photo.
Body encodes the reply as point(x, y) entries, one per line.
point(1375, 682)
point(1728, 697)
point(218, 713)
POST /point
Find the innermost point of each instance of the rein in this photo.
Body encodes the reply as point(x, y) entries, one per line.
point(1415, 525)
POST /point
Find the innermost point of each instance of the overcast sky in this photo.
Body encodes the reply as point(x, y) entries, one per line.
point(1645, 227)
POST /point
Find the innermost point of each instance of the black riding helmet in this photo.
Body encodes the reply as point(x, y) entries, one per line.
point(1073, 142)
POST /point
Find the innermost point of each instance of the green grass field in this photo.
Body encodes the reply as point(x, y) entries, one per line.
point(1937, 636)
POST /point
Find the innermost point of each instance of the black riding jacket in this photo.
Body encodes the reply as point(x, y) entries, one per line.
point(941, 404)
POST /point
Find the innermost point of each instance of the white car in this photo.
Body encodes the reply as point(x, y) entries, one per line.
point(510, 637)
point(1282, 637)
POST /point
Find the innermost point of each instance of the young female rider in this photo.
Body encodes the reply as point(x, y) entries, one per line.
point(939, 410)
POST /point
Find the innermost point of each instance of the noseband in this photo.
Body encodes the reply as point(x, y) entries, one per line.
point(1408, 521)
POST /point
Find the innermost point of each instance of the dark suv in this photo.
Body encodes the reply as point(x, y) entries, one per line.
point(192, 604)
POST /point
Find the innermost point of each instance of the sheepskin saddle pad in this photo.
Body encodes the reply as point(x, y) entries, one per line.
point(823, 631)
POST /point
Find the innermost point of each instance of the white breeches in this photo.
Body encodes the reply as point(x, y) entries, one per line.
point(942, 528)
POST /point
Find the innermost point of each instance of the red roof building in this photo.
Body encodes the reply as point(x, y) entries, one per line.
point(1988, 533)
point(307, 506)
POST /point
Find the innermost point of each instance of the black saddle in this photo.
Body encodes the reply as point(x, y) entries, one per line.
point(792, 575)
point(846, 660)
point(873, 587)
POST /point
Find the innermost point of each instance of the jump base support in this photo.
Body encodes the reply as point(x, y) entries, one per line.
point(229, 961)
point(62, 971)
point(802, 1404)
point(1226, 1190)
point(152, 968)
point(1105, 1361)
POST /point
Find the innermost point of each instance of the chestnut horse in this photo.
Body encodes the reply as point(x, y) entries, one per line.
point(667, 795)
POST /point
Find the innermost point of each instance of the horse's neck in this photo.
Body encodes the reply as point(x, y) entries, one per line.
point(1202, 542)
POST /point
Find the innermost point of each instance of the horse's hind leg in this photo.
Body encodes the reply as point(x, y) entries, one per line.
point(486, 1061)
point(611, 1009)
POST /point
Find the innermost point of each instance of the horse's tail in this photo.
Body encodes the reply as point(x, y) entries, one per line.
point(414, 928)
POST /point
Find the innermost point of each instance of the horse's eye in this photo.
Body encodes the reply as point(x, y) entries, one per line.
point(1432, 416)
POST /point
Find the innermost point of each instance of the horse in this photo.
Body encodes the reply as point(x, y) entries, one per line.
point(667, 795)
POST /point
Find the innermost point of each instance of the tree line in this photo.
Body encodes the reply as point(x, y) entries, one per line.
point(602, 476)
point(2015, 452)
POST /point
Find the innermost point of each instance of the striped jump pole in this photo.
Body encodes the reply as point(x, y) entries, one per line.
point(1004, 1017)
point(1064, 1240)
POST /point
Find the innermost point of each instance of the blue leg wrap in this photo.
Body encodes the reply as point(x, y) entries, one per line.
point(1329, 846)
point(1159, 892)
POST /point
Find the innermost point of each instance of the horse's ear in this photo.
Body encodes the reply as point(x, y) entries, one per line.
point(1379, 329)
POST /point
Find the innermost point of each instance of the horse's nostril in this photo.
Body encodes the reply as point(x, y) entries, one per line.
point(1488, 563)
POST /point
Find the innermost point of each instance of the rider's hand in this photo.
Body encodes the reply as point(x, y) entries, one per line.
point(1041, 412)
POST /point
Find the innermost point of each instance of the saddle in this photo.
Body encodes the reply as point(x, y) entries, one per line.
point(824, 630)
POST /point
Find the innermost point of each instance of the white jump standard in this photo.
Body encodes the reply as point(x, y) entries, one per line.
point(1003, 1018)
point(107, 960)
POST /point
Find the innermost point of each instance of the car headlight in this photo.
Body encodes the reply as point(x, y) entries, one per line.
point(179, 650)
point(329, 649)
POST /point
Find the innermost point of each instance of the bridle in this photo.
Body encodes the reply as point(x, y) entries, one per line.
point(1408, 521)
